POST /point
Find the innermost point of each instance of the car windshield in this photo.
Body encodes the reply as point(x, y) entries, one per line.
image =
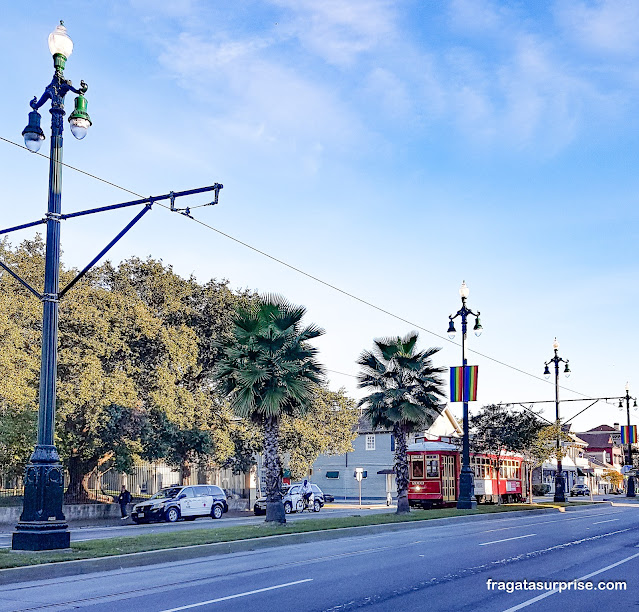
point(167, 493)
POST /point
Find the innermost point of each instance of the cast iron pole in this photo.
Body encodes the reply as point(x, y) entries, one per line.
point(631, 481)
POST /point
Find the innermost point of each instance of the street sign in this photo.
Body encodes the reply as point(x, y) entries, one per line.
point(359, 474)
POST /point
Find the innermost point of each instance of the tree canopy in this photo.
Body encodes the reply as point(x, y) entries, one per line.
point(497, 430)
point(137, 348)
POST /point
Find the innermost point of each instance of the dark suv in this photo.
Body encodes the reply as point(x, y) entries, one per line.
point(174, 503)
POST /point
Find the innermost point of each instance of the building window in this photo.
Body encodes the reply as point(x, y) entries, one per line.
point(370, 442)
point(332, 475)
point(392, 443)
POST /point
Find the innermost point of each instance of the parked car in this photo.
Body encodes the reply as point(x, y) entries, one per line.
point(290, 499)
point(579, 489)
point(174, 503)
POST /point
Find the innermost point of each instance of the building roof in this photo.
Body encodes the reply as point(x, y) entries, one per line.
point(599, 462)
point(602, 428)
point(577, 440)
point(599, 439)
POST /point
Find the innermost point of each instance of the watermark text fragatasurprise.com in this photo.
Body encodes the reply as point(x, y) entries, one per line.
point(510, 586)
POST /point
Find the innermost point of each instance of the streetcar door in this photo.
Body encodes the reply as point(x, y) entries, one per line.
point(448, 478)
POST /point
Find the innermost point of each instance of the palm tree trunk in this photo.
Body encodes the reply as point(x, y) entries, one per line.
point(273, 467)
point(401, 469)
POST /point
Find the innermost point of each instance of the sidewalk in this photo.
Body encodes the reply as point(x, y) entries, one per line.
point(8, 527)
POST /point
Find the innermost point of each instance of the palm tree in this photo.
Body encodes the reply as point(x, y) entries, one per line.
point(269, 369)
point(406, 393)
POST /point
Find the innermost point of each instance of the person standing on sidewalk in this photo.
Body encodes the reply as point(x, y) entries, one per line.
point(124, 499)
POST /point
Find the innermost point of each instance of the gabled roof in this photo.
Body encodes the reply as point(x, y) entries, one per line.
point(602, 428)
point(577, 440)
point(599, 439)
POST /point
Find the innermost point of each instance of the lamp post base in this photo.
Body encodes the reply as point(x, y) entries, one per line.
point(42, 525)
point(466, 499)
point(560, 489)
point(631, 492)
point(41, 535)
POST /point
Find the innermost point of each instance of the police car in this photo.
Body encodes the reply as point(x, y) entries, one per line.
point(174, 503)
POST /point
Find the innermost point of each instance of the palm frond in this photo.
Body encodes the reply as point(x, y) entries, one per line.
point(405, 384)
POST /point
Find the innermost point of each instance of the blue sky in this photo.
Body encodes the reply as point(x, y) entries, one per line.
point(391, 149)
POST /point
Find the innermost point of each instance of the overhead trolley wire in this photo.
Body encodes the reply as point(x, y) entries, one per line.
point(300, 271)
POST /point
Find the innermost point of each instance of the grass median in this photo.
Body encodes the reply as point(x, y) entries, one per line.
point(192, 537)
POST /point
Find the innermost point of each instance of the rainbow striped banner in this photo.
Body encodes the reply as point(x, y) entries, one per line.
point(463, 388)
point(628, 435)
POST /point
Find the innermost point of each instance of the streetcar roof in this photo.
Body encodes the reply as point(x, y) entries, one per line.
point(432, 445)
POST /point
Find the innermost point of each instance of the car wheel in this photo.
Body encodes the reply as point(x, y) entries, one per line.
point(288, 507)
point(217, 512)
point(172, 515)
point(317, 506)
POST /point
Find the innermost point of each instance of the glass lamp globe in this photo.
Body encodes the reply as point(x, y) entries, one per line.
point(60, 42)
point(33, 141)
point(464, 290)
point(33, 134)
point(79, 127)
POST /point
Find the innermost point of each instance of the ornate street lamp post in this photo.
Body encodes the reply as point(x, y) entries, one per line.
point(630, 492)
point(42, 524)
point(466, 500)
point(560, 485)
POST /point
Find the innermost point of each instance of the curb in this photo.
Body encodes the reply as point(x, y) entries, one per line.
point(168, 555)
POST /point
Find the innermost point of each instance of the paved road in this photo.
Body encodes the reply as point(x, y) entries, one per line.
point(98, 531)
point(443, 565)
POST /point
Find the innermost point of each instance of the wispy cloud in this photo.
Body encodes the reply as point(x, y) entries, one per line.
point(610, 26)
point(339, 31)
point(317, 77)
point(260, 101)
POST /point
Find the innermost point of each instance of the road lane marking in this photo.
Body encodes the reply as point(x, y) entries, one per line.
point(525, 604)
point(608, 521)
point(530, 535)
point(211, 601)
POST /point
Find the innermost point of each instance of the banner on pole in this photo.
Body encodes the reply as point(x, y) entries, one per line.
point(463, 388)
point(628, 435)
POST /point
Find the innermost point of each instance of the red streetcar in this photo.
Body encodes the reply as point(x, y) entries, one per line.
point(433, 472)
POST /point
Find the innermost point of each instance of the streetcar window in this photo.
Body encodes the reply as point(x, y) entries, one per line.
point(432, 466)
point(417, 467)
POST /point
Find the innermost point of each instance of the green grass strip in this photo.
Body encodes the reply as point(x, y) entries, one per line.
point(190, 537)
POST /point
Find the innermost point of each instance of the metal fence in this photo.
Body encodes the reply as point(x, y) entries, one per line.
point(142, 481)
